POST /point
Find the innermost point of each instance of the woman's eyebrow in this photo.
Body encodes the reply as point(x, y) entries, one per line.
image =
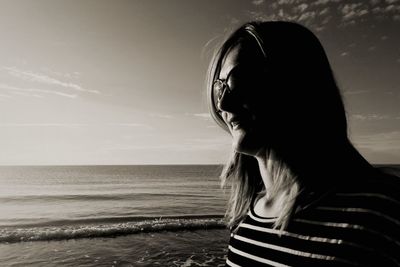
point(230, 71)
point(242, 69)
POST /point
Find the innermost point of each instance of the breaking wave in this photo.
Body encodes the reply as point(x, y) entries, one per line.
point(110, 227)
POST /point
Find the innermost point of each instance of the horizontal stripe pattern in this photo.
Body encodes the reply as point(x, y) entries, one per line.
point(256, 258)
point(277, 232)
point(283, 249)
point(348, 227)
point(262, 220)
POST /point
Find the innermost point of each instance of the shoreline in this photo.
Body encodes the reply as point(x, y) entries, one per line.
point(182, 248)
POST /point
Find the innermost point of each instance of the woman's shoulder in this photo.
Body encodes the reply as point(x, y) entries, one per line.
point(373, 191)
point(389, 171)
point(376, 192)
point(376, 180)
point(370, 188)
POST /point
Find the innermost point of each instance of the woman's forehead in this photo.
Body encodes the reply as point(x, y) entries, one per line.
point(247, 53)
point(230, 60)
point(240, 54)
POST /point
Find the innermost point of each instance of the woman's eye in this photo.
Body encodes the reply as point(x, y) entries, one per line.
point(240, 83)
point(236, 82)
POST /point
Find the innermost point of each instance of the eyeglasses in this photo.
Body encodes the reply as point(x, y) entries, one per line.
point(219, 89)
point(244, 81)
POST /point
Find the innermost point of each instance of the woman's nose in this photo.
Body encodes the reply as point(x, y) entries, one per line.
point(227, 102)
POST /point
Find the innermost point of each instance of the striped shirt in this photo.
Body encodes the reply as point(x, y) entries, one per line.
point(354, 225)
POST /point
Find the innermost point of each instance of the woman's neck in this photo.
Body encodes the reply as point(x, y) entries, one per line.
point(281, 190)
point(264, 172)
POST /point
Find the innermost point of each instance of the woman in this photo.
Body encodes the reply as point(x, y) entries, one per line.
point(301, 194)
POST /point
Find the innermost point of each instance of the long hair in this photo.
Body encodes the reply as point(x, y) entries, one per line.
point(306, 118)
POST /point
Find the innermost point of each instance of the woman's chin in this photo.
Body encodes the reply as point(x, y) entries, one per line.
point(244, 144)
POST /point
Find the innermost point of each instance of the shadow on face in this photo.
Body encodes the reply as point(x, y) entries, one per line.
point(289, 95)
point(242, 72)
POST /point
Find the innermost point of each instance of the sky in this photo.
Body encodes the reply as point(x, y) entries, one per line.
point(97, 82)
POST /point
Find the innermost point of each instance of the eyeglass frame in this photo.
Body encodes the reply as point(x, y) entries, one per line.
point(226, 87)
point(252, 31)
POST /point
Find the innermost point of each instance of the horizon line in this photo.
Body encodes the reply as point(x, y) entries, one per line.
point(149, 164)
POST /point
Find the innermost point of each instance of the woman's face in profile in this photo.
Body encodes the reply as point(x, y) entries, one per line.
point(237, 105)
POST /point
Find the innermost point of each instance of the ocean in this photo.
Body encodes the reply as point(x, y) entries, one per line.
point(112, 216)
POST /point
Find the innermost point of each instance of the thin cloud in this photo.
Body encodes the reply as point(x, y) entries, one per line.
point(5, 96)
point(318, 13)
point(356, 92)
point(163, 116)
point(203, 116)
point(136, 125)
point(321, 2)
point(352, 11)
point(257, 2)
point(41, 124)
point(172, 147)
point(41, 78)
point(385, 141)
point(286, 2)
point(213, 143)
point(324, 11)
point(387, 10)
point(65, 75)
point(307, 16)
point(301, 8)
point(370, 117)
point(390, 8)
point(206, 116)
point(127, 124)
point(34, 90)
point(293, 10)
point(186, 144)
point(27, 94)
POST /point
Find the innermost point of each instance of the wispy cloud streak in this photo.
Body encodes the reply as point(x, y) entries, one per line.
point(385, 141)
point(162, 116)
point(257, 2)
point(356, 92)
point(34, 90)
point(127, 124)
point(318, 13)
point(370, 117)
point(41, 78)
point(5, 96)
point(193, 144)
point(354, 10)
point(205, 116)
point(41, 124)
point(74, 125)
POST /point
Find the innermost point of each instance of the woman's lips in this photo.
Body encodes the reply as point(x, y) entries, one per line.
point(238, 122)
point(235, 125)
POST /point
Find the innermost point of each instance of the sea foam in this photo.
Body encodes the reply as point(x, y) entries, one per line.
point(92, 230)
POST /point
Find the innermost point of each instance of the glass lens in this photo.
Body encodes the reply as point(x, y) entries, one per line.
point(218, 90)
